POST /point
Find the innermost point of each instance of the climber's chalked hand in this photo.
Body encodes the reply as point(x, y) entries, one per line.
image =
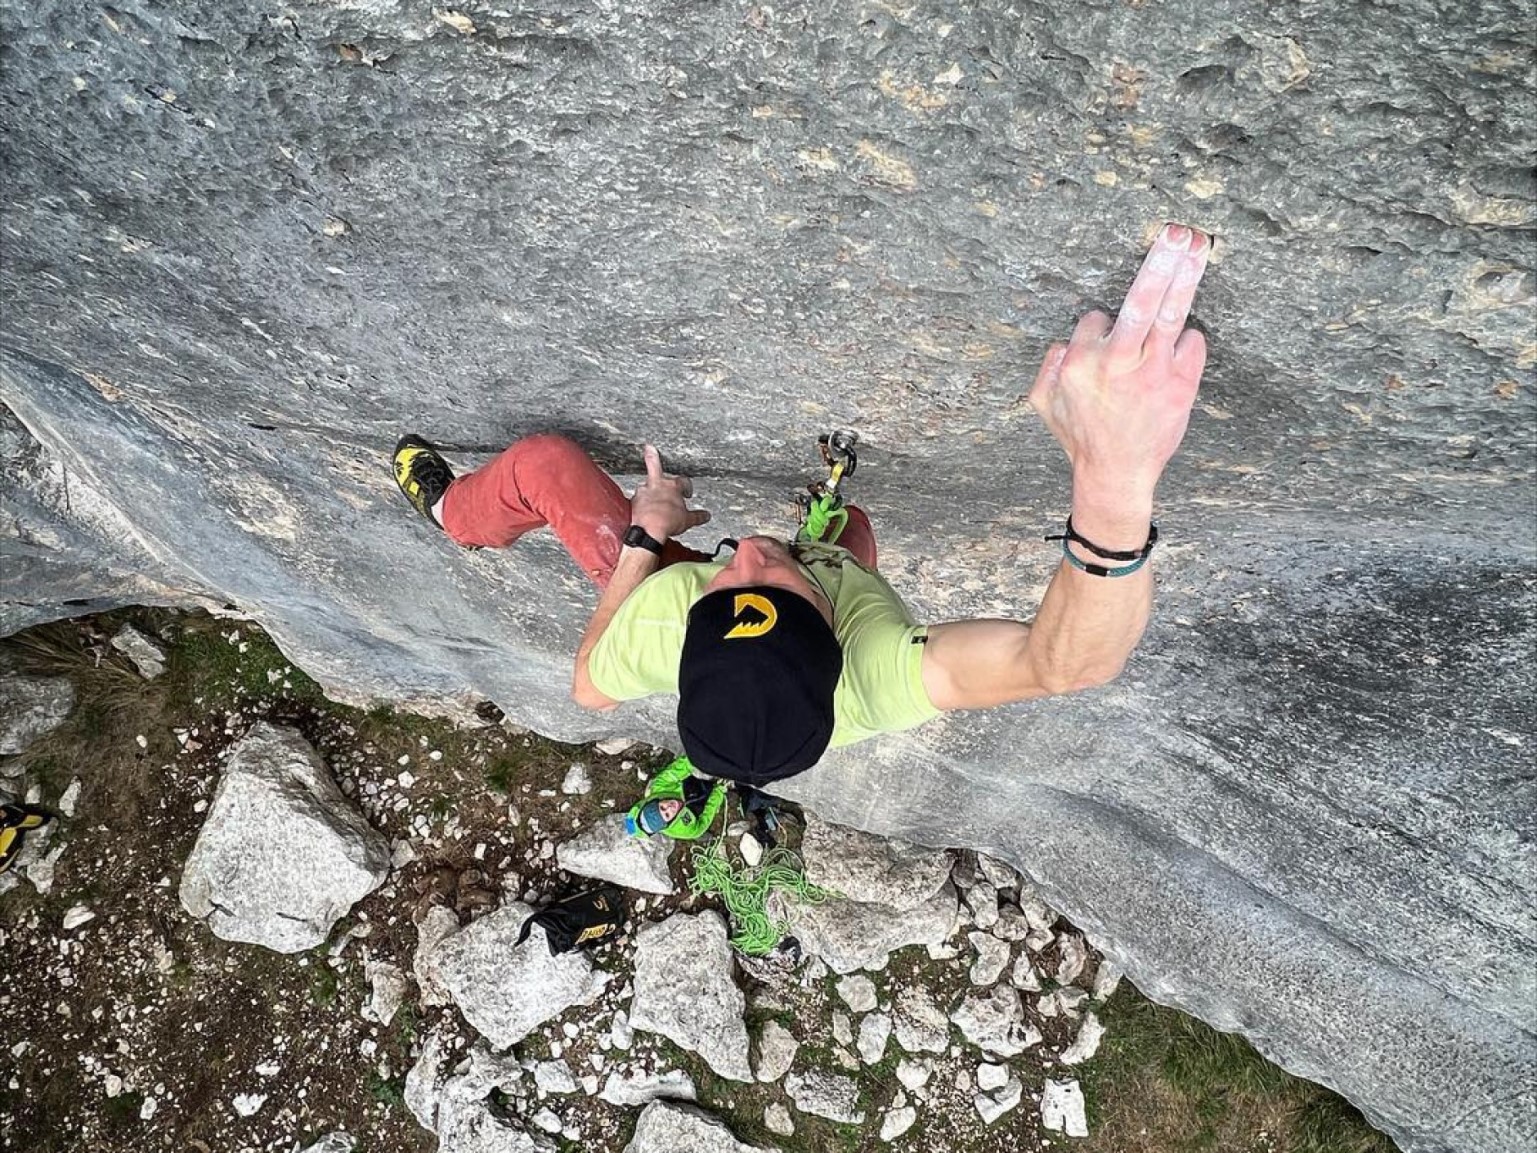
point(1117, 396)
point(660, 503)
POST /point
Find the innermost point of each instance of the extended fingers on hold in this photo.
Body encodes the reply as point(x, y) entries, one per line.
point(1175, 309)
point(1146, 296)
point(653, 460)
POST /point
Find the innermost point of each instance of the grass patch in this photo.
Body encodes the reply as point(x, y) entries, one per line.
point(501, 774)
point(204, 662)
point(1164, 1082)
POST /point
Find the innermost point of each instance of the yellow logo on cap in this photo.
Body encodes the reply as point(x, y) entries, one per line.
point(764, 606)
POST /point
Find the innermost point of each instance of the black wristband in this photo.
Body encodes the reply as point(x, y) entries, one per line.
point(1110, 554)
point(637, 537)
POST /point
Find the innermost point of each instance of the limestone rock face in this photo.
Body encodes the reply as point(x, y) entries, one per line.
point(245, 253)
point(282, 854)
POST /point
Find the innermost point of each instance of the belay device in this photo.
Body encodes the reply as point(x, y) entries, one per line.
point(581, 920)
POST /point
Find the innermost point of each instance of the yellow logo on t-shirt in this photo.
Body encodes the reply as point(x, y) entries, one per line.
point(763, 605)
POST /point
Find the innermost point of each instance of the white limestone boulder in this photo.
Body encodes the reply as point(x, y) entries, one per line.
point(456, 1105)
point(825, 1095)
point(872, 870)
point(852, 935)
point(641, 1088)
point(606, 852)
point(995, 1022)
point(684, 990)
point(504, 989)
point(1062, 1108)
point(920, 1025)
point(147, 656)
point(857, 992)
point(668, 1128)
point(777, 1047)
point(282, 854)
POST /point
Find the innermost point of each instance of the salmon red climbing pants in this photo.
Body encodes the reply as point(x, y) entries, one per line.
point(549, 480)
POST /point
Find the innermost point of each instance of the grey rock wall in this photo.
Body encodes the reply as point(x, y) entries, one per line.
point(244, 247)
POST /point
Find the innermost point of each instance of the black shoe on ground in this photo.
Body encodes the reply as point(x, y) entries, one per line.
point(423, 475)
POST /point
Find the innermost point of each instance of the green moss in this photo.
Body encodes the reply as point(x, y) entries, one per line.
point(202, 662)
point(323, 984)
point(385, 1090)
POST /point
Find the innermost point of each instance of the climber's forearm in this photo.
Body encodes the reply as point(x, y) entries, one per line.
point(635, 565)
point(1082, 635)
point(1087, 626)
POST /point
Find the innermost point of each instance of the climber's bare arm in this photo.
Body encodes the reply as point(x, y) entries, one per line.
point(660, 506)
point(635, 565)
point(1118, 399)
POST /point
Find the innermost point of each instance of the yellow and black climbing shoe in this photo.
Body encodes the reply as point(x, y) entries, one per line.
point(422, 474)
point(15, 822)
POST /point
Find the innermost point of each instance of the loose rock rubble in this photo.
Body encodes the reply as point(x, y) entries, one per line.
point(934, 993)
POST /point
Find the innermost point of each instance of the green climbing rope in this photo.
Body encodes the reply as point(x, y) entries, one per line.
point(825, 520)
point(745, 892)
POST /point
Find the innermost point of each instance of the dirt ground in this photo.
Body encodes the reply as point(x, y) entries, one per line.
point(139, 1030)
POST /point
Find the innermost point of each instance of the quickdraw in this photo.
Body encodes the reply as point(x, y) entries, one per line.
point(822, 515)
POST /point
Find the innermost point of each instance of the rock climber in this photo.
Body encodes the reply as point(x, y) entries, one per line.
point(785, 650)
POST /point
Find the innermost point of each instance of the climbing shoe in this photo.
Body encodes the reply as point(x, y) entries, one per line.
point(423, 475)
point(15, 822)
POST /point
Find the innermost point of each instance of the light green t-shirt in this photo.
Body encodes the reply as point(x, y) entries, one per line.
point(880, 690)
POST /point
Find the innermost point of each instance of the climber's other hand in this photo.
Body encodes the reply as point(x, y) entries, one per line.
point(660, 503)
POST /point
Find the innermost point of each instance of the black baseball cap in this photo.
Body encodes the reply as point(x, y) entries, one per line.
point(756, 681)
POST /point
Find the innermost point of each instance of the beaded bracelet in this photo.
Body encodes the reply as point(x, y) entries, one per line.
point(1137, 557)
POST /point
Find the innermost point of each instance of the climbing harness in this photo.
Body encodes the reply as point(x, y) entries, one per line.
point(822, 515)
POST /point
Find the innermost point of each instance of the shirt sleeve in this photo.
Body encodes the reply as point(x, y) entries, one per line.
point(638, 653)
